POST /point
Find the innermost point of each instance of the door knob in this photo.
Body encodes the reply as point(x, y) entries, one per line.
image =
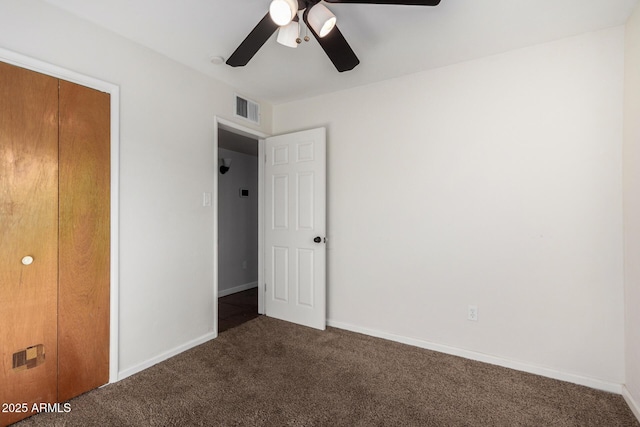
point(318, 239)
point(27, 260)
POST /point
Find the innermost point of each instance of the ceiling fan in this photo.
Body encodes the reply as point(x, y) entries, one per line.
point(283, 15)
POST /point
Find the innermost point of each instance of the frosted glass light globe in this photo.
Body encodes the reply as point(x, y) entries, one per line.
point(321, 20)
point(283, 11)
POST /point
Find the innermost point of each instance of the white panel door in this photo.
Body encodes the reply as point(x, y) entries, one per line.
point(295, 228)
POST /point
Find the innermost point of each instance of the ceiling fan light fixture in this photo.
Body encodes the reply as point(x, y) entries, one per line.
point(288, 34)
point(283, 11)
point(321, 19)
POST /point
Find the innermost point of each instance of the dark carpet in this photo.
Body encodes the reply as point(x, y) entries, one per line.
point(271, 373)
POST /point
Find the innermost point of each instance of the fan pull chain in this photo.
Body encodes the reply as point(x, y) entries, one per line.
point(298, 40)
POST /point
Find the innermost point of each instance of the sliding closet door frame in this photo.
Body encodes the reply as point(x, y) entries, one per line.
point(113, 90)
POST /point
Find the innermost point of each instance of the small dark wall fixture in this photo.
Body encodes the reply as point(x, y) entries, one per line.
point(226, 164)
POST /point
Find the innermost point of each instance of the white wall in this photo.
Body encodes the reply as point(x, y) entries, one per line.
point(631, 155)
point(237, 223)
point(495, 182)
point(166, 137)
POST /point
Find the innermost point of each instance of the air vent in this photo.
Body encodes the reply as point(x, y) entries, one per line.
point(247, 109)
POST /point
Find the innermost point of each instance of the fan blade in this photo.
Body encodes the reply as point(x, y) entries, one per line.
point(336, 48)
point(396, 2)
point(254, 41)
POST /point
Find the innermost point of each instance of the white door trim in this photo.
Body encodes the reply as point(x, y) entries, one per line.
point(113, 90)
point(221, 123)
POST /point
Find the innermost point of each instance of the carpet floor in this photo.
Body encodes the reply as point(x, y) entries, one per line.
point(271, 373)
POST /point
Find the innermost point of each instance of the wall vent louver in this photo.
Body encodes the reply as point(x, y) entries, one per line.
point(247, 109)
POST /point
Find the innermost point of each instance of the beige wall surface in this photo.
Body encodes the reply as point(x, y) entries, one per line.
point(631, 156)
point(496, 183)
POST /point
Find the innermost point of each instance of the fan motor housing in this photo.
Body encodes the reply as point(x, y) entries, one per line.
point(307, 4)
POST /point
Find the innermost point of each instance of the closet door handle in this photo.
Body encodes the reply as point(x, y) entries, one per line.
point(27, 260)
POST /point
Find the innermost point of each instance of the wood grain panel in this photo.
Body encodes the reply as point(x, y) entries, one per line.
point(83, 314)
point(28, 226)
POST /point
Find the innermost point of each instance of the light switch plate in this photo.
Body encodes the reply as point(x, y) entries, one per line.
point(206, 199)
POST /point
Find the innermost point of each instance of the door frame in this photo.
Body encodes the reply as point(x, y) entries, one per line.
point(221, 123)
point(23, 61)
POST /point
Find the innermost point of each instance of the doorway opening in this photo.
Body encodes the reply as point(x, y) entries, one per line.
point(238, 231)
point(291, 253)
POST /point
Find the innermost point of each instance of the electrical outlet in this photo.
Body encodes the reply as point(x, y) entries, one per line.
point(472, 313)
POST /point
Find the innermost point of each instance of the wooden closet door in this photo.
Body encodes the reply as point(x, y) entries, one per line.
point(28, 228)
point(83, 316)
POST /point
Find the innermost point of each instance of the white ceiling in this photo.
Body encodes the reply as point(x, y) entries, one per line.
point(390, 41)
point(238, 143)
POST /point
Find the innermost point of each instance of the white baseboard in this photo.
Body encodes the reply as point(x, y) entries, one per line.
point(184, 347)
point(166, 355)
point(481, 357)
point(633, 404)
point(239, 288)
